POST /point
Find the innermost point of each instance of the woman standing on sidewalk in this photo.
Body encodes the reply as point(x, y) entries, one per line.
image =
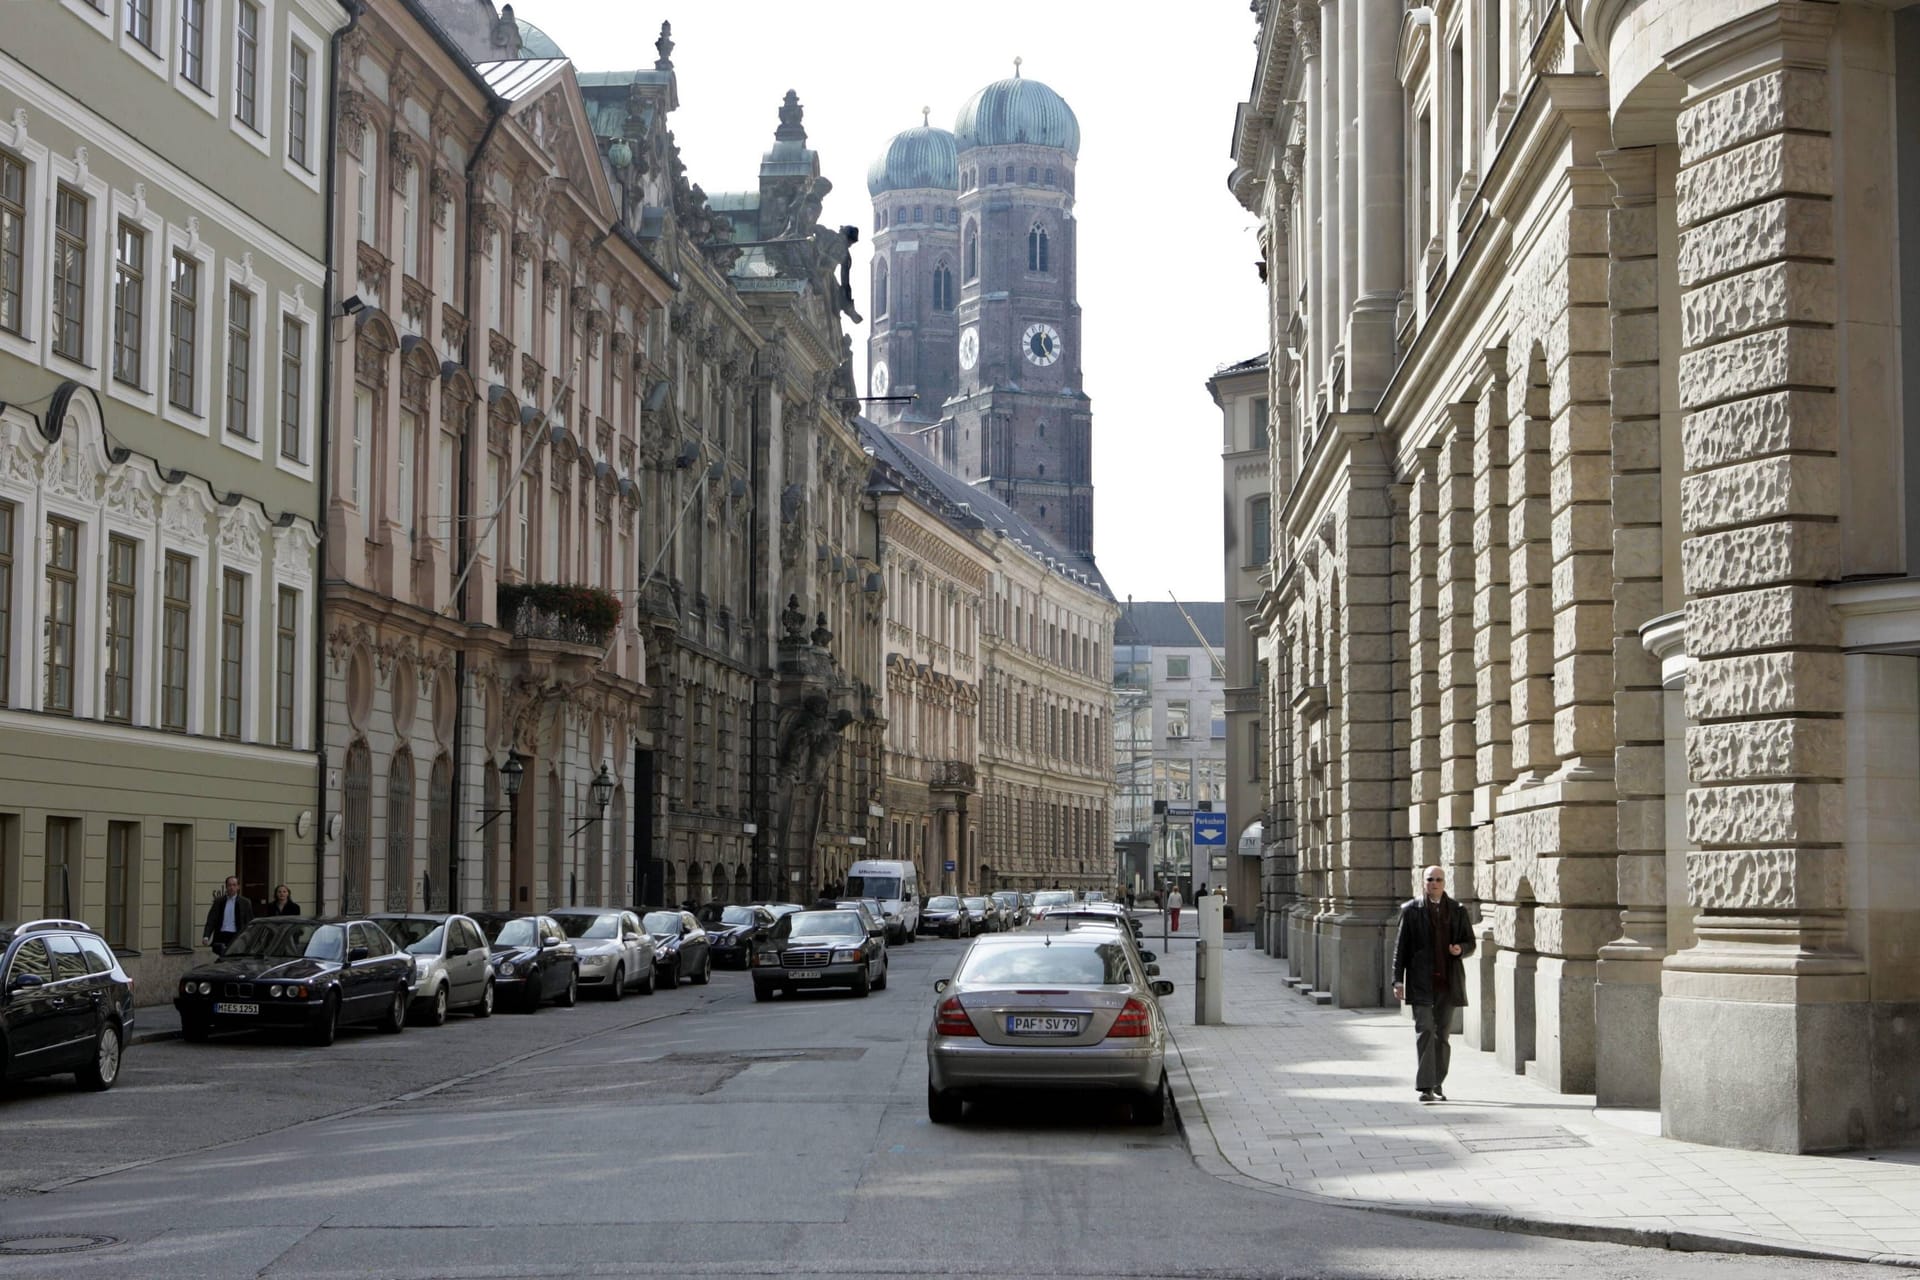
point(1174, 903)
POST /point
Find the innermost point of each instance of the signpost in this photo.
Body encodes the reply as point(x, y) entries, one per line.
point(1209, 832)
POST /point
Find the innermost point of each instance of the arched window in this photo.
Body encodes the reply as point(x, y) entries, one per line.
point(742, 885)
point(879, 287)
point(1037, 248)
point(1049, 177)
point(993, 174)
point(971, 262)
point(440, 833)
point(400, 831)
point(942, 288)
point(719, 883)
point(358, 815)
point(919, 213)
point(1033, 175)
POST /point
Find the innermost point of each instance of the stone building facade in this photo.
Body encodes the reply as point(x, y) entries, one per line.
point(1594, 534)
point(163, 296)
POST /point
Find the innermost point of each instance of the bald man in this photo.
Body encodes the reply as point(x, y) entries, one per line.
point(1428, 975)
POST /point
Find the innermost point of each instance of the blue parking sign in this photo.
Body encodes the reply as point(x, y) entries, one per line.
point(1209, 830)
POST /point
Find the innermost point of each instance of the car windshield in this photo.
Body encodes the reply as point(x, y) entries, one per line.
point(947, 903)
point(270, 941)
point(1007, 899)
point(1103, 965)
point(736, 915)
point(844, 924)
point(976, 904)
point(415, 937)
point(601, 926)
point(1052, 898)
point(873, 886)
point(661, 922)
point(516, 932)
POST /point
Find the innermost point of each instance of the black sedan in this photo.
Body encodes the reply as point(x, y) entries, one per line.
point(733, 931)
point(943, 915)
point(532, 958)
point(286, 971)
point(680, 947)
point(811, 949)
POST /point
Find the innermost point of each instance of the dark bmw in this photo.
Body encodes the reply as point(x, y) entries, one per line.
point(733, 931)
point(533, 959)
point(313, 975)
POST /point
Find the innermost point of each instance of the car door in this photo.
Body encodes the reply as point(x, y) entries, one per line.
point(466, 960)
point(554, 968)
point(638, 960)
point(32, 1015)
point(76, 1000)
point(693, 947)
point(362, 993)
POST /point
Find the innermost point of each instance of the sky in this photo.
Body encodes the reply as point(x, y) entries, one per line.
point(1168, 289)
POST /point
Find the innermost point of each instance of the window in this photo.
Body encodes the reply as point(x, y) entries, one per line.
point(122, 563)
point(1033, 175)
point(365, 191)
point(442, 530)
point(404, 477)
point(919, 213)
point(359, 477)
point(6, 603)
point(13, 243)
point(1176, 666)
point(971, 254)
point(233, 642)
point(70, 273)
point(1260, 526)
point(1456, 114)
point(400, 819)
point(193, 41)
point(293, 359)
point(993, 174)
point(63, 599)
point(246, 71)
point(299, 62)
point(129, 301)
point(1037, 248)
point(140, 21)
point(880, 287)
point(1260, 411)
point(410, 224)
point(942, 288)
point(1177, 717)
point(176, 631)
point(175, 841)
point(285, 664)
point(239, 362)
point(494, 499)
point(123, 851)
point(522, 517)
point(183, 319)
point(63, 847)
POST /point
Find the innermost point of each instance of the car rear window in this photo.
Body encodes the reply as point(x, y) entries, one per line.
point(1097, 966)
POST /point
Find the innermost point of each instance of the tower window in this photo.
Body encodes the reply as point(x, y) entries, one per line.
point(1033, 175)
point(993, 174)
point(942, 288)
point(879, 287)
point(972, 252)
point(919, 213)
point(1037, 248)
point(1049, 177)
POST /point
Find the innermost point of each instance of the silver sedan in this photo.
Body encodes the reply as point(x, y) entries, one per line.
point(450, 966)
point(1062, 1011)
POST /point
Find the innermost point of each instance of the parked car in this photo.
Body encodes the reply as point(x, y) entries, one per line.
point(1045, 900)
point(1011, 907)
point(614, 953)
point(681, 949)
point(981, 915)
point(780, 908)
point(734, 931)
point(65, 1003)
point(1066, 1011)
point(875, 926)
point(290, 971)
point(450, 964)
point(812, 949)
point(533, 959)
point(944, 916)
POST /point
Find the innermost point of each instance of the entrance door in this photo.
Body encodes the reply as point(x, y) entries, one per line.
point(253, 863)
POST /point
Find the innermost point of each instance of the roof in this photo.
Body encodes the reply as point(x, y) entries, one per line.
point(915, 158)
point(535, 43)
point(1157, 623)
point(1252, 364)
point(515, 79)
point(1017, 111)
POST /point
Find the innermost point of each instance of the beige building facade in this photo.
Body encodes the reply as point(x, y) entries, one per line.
point(1593, 374)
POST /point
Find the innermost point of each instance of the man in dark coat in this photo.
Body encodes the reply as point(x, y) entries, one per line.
point(228, 915)
point(1435, 935)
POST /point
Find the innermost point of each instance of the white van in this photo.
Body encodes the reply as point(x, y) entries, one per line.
point(897, 885)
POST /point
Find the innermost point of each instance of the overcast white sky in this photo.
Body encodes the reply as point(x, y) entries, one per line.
point(1167, 282)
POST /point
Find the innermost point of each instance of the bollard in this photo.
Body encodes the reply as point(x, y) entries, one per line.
point(1210, 911)
point(1200, 983)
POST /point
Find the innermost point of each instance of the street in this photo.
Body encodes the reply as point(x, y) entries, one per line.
point(692, 1132)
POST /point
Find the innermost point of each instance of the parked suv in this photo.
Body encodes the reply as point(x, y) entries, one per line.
point(65, 1003)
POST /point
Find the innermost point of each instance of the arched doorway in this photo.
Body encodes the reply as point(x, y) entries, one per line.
point(692, 883)
point(357, 815)
point(440, 835)
point(399, 860)
point(742, 884)
point(719, 892)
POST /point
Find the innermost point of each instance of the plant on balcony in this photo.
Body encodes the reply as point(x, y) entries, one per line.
point(561, 611)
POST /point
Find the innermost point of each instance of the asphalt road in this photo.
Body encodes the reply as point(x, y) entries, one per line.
point(691, 1132)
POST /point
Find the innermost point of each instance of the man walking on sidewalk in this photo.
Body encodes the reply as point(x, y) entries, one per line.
point(1428, 975)
point(1174, 903)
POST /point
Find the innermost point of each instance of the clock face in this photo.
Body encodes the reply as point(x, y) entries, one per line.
point(1042, 344)
point(969, 348)
point(879, 378)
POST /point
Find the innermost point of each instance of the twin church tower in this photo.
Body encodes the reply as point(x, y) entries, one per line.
point(975, 312)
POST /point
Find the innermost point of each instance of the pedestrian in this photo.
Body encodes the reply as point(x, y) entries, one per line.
point(228, 915)
point(1174, 903)
point(283, 903)
point(1202, 893)
point(1429, 976)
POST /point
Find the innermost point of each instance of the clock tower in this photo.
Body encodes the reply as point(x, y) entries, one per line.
point(912, 337)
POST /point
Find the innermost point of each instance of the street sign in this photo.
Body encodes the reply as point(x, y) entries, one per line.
point(1209, 830)
point(951, 865)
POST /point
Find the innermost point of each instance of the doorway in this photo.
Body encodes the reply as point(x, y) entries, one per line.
point(253, 863)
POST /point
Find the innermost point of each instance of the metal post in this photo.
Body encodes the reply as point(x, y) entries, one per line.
point(1200, 982)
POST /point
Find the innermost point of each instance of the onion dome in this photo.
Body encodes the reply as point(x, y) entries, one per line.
point(1017, 111)
point(922, 157)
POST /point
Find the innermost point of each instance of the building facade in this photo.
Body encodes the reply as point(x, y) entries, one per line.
point(1593, 566)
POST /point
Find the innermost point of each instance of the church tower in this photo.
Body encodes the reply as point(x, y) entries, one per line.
point(912, 340)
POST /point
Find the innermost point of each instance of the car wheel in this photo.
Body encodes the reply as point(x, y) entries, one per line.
point(863, 983)
point(943, 1107)
point(646, 982)
point(1150, 1110)
point(195, 1030)
point(328, 1024)
point(762, 993)
point(706, 972)
point(913, 934)
point(880, 984)
point(437, 1014)
point(619, 987)
point(396, 1020)
point(105, 1067)
point(485, 1008)
point(571, 996)
point(671, 978)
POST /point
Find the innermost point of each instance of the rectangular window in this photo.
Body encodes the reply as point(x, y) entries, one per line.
point(293, 358)
point(1178, 718)
point(176, 839)
point(176, 631)
point(1176, 666)
point(183, 319)
point(13, 243)
point(410, 225)
point(123, 843)
point(442, 530)
point(239, 362)
point(359, 478)
point(1261, 428)
point(6, 603)
point(1260, 520)
point(494, 499)
point(193, 41)
point(129, 302)
point(1456, 115)
point(122, 566)
point(63, 602)
point(405, 475)
point(246, 69)
point(366, 191)
point(63, 847)
point(285, 664)
point(522, 527)
point(299, 62)
point(140, 21)
point(70, 273)
point(233, 642)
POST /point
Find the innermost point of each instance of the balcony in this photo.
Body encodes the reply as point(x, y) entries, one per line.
point(950, 775)
point(558, 613)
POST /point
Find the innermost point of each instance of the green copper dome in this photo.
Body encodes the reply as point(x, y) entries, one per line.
point(1017, 110)
point(922, 157)
point(535, 43)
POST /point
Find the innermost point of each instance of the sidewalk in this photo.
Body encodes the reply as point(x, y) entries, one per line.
point(154, 1022)
point(1319, 1101)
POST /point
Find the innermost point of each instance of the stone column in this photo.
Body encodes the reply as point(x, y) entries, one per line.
point(1380, 233)
point(1763, 1023)
point(1347, 121)
point(1306, 36)
point(1493, 684)
point(1530, 575)
point(1454, 585)
point(1423, 648)
point(1326, 315)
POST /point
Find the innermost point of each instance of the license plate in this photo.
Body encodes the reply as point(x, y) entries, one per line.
point(1035, 1025)
point(802, 974)
point(231, 1007)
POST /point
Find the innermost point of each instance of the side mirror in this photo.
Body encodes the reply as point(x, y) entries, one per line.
point(545, 943)
point(357, 953)
point(1148, 957)
point(1153, 971)
point(24, 981)
point(1162, 987)
point(940, 987)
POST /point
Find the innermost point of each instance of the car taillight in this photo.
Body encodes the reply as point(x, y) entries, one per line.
point(1134, 1020)
point(952, 1020)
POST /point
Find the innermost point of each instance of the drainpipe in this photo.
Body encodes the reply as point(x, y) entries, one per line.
point(323, 441)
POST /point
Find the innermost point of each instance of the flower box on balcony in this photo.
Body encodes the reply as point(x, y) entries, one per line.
point(563, 612)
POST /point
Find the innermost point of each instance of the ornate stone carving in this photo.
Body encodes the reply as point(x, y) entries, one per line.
point(440, 191)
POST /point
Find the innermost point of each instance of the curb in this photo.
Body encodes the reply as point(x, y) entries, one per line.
point(1199, 1137)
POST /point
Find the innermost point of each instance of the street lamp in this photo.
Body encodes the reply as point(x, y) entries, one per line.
point(599, 794)
point(510, 775)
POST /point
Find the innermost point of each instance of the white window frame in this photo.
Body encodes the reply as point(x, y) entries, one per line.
point(249, 690)
point(99, 16)
point(89, 594)
point(445, 458)
point(300, 33)
point(356, 441)
point(258, 135)
point(33, 266)
point(366, 191)
point(409, 255)
point(210, 95)
point(239, 274)
point(153, 321)
point(91, 368)
point(188, 244)
point(294, 306)
point(159, 57)
point(145, 652)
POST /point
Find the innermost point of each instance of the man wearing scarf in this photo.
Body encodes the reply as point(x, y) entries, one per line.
point(1429, 976)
